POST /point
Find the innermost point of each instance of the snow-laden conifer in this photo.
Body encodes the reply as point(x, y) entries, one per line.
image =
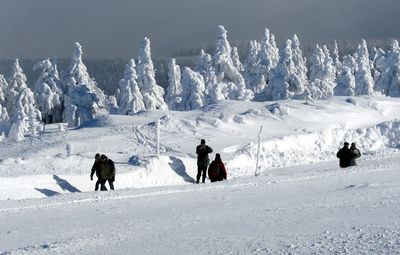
point(236, 60)
point(364, 80)
point(4, 120)
point(285, 83)
point(174, 90)
point(16, 83)
point(390, 76)
point(269, 53)
point(130, 98)
point(253, 69)
point(153, 94)
point(83, 100)
point(299, 62)
point(322, 73)
point(346, 82)
point(226, 71)
point(3, 88)
point(336, 56)
point(193, 96)
point(26, 118)
point(48, 92)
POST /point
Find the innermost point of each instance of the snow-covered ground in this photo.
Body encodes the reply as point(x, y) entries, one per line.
point(301, 202)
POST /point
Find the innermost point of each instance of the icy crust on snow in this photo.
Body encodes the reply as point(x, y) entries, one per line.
point(312, 147)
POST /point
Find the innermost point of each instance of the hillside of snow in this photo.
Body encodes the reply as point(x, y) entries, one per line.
point(301, 202)
point(295, 132)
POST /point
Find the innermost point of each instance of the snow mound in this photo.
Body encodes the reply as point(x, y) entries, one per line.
point(313, 147)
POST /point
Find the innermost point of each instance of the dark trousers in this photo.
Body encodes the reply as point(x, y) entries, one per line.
point(103, 184)
point(201, 170)
point(98, 183)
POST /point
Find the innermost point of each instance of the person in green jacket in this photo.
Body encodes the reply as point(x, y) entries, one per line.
point(203, 160)
point(107, 172)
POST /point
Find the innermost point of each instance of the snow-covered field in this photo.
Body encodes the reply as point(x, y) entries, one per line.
point(301, 202)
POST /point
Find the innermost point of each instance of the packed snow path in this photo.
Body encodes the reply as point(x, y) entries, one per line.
point(310, 209)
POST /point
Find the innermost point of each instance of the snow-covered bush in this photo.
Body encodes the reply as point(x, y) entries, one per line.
point(130, 97)
point(152, 93)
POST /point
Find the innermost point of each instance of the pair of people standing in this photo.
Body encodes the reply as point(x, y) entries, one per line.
point(347, 156)
point(216, 170)
point(105, 171)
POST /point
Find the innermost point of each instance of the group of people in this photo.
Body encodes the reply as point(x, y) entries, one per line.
point(216, 170)
point(347, 156)
point(105, 171)
point(105, 168)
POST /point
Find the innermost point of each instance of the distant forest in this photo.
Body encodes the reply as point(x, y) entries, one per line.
point(108, 72)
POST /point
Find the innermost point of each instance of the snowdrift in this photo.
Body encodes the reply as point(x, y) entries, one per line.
point(295, 132)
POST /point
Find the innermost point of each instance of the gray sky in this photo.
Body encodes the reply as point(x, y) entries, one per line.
point(114, 28)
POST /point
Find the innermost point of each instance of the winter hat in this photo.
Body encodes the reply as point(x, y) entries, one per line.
point(346, 144)
point(218, 157)
point(203, 141)
point(103, 157)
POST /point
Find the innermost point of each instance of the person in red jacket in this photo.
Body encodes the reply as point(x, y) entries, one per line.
point(217, 170)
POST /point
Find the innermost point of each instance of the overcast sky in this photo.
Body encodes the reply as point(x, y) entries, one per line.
point(114, 28)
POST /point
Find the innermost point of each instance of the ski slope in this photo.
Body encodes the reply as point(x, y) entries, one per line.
point(300, 203)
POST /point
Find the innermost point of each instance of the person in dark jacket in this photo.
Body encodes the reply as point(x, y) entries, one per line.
point(356, 154)
point(96, 169)
point(345, 155)
point(217, 170)
point(107, 172)
point(203, 160)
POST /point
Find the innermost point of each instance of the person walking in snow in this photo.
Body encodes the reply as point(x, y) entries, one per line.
point(107, 172)
point(203, 160)
point(96, 169)
point(217, 170)
point(356, 154)
point(345, 155)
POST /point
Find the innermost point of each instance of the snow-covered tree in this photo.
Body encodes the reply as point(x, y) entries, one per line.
point(378, 65)
point(322, 74)
point(269, 53)
point(48, 92)
point(299, 62)
point(285, 83)
point(26, 118)
point(253, 69)
point(336, 56)
point(236, 60)
point(3, 88)
point(130, 98)
point(193, 96)
point(153, 94)
point(174, 90)
point(225, 69)
point(84, 100)
point(346, 83)
point(389, 82)
point(364, 80)
point(4, 120)
point(16, 83)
